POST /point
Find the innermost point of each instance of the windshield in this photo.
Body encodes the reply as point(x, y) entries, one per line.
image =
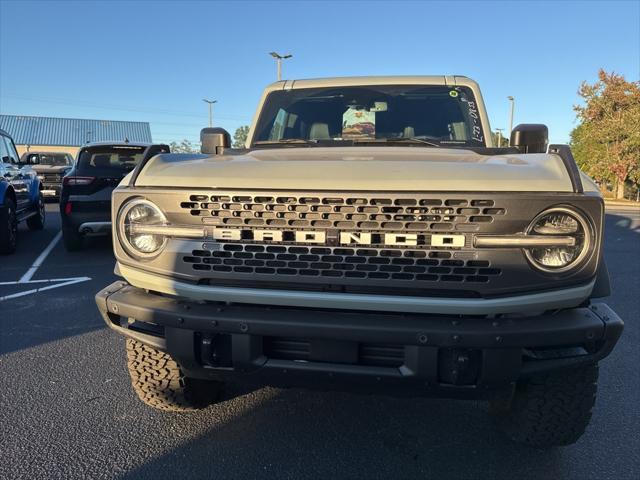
point(109, 159)
point(55, 160)
point(429, 115)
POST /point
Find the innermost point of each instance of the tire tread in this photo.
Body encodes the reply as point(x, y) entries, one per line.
point(551, 409)
point(160, 382)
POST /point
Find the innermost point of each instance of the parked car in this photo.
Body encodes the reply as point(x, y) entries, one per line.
point(85, 198)
point(20, 195)
point(50, 167)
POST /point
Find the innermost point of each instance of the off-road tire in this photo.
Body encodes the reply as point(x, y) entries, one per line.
point(160, 383)
point(8, 228)
point(72, 240)
point(551, 409)
point(37, 221)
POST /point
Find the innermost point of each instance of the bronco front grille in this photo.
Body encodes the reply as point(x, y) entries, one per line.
point(379, 213)
point(418, 243)
point(340, 262)
point(52, 178)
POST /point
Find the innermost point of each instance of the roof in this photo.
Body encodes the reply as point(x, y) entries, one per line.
point(117, 144)
point(372, 80)
point(27, 130)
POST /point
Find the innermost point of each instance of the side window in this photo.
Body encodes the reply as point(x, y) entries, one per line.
point(13, 153)
point(4, 152)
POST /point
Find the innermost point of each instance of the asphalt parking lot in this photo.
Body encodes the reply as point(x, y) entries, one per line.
point(67, 409)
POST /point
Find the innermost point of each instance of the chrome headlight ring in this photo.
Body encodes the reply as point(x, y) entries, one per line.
point(583, 234)
point(140, 212)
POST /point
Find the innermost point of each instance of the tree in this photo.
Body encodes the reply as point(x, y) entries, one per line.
point(240, 136)
point(504, 142)
point(185, 146)
point(607, 142)
point(590, 155)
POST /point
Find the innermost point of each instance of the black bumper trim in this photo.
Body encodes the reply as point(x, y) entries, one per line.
point(502, 341)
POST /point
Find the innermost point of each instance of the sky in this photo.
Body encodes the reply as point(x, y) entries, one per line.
point(154, 61)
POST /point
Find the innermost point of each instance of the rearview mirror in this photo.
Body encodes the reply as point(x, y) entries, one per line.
point(214, 140)
point(530, 138)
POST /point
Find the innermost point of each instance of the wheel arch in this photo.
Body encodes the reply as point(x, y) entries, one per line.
point(6, 191)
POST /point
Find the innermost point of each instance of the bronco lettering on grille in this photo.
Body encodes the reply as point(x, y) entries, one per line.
point(320, 237)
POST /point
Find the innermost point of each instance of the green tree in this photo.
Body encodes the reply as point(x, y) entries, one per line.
point(607, 142)
point(240, 136)
point(590, 155)
point(504, 142)
point(185, 146)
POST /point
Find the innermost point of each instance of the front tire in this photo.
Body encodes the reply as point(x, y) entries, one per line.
point(37, 221)
point(160, 382)
point(550, 409)
point(8, 228)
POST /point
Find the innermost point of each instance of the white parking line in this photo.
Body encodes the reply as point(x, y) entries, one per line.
point(49, 280)
point(34, 267)
point(50, 283)
point(65, 282)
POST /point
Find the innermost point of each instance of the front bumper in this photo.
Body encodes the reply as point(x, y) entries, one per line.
point(51, 190)
point(416, 354)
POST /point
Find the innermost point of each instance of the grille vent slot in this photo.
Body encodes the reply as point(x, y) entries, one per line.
point(341, 262)
point(344, 212)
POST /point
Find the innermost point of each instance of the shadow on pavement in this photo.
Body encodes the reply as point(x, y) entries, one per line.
point(301, 434)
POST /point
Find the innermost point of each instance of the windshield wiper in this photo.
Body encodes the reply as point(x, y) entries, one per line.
point(287, 141)
point(412, 140)
point(408, 140)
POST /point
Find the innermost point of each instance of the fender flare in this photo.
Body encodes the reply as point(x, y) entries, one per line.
point(35, 190)
point(6, 190)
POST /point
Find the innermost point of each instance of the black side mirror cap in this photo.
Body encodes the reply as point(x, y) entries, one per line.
point(530, 138)
point(214, 140)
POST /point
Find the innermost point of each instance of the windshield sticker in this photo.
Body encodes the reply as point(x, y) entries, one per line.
point(358, 123)
point(474, 116)
point(453, 93)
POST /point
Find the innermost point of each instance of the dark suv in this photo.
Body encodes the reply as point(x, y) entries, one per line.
point(85, 199)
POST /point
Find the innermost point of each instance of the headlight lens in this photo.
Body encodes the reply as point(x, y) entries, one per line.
point(138, 213)
point(565, 223)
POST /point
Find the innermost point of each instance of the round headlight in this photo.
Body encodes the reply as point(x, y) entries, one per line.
point(560, 222)
point(135, 215)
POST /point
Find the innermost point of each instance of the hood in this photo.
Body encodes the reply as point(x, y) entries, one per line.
point(361, 168)
point(50, 168)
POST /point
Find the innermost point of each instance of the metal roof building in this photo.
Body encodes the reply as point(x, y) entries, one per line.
point(49, 133)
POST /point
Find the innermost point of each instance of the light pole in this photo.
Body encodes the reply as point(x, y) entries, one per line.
point(210, 102)
point(279, 59)
point(499, 130)
point(512, 102)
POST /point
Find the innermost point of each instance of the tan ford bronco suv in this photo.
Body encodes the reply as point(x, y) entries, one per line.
point(369, 238)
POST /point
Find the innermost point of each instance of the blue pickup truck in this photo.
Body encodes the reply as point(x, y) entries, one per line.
point(20, 195)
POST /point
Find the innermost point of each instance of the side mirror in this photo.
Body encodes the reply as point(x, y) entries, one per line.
point(530, 138)
point(214, 140)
